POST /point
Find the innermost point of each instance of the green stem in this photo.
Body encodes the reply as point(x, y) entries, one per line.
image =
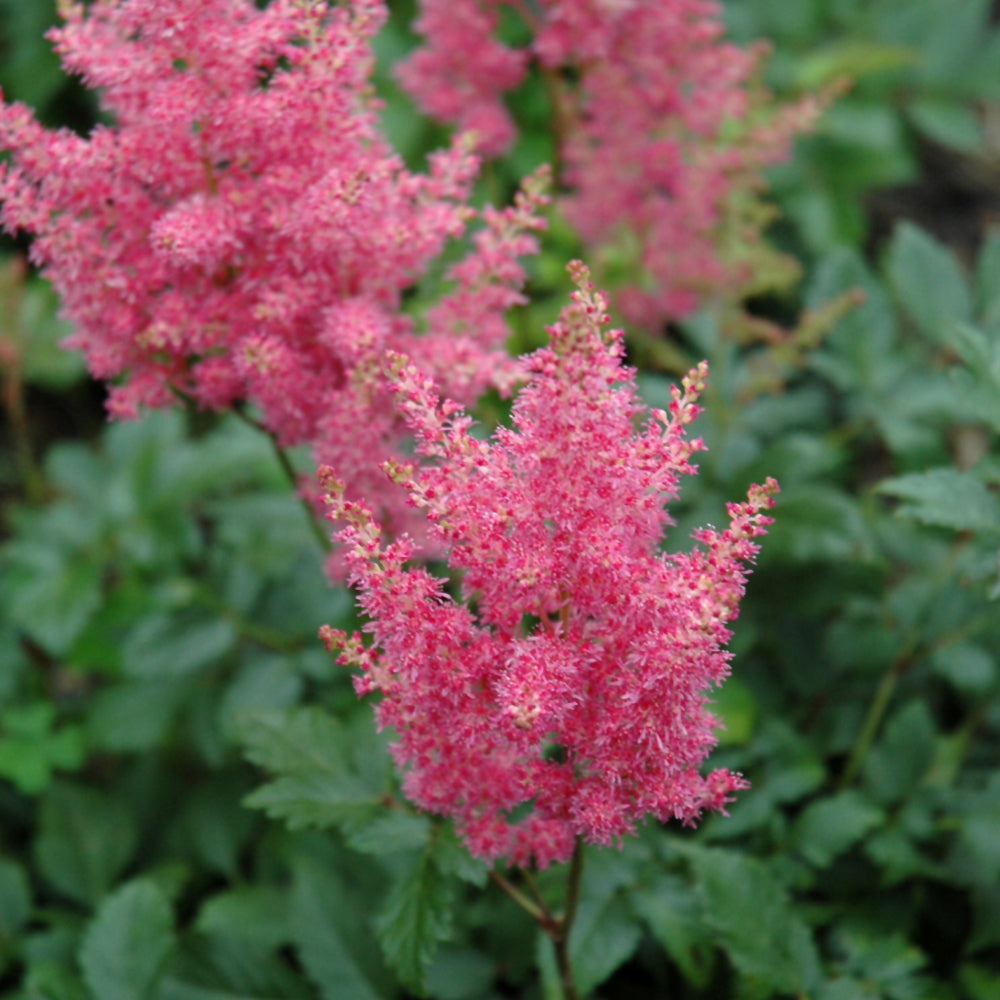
point(876, 711)
point(538, 914)
point(561, 941)
point(883, 696)
point(556, 928)
point(318, 529)
point(268, 638)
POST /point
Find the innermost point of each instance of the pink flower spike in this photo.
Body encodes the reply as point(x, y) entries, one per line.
point(242, 232)
point(564, 692)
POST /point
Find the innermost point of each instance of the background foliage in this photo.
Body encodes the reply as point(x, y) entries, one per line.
point(160, 592)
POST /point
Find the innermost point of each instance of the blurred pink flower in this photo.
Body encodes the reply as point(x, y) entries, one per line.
point(241, 231)
point(663, 128)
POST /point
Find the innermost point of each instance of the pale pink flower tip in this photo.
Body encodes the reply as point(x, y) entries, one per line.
point(564, 692)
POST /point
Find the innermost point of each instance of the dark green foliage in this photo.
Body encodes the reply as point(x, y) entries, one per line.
point(195, 806)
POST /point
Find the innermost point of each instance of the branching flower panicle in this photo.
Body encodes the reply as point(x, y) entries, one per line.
point(243, 232)
point(564, 693)
point(663, 126)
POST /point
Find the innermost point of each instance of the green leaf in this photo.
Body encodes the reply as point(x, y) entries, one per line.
point(256, 913)
point(453, 858)
point(737, 706)
point(329, 956)
point(605, 935)
point(828, 827)
point(53, 981)
point(85, 841)
point(308, 751)
point(417, 916)
point(134, 715)
point(949, 123)
point(854, 58)
point(460, 973)
point(747, 907)
point(671, 909)
point(46, 362)
point(30, 749)
point(976, 855)
point(269, 683)
point(391, 831)
point(988, 280)
point(902, 757)
point(15, 900)
point(49, 591)
point(886, 961)
point(967, 666)
point(214, 825)
point(125, 946)
point(948, 498)
point(174, 645)
point(928, 282)
point(219, 967)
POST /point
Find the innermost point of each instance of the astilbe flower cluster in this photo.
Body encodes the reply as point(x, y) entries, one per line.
point(241, 231)
point(563, 690)
point(664, 127)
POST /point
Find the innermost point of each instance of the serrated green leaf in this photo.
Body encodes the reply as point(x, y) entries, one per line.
point(127, 942)
point(49, 591)
point(928, 282)
point(416, 918)
point(308, 751)
point(85, 841)
point(317, 800)
point(828, 827)
point(747, 907)
point(175, 645)
point(295, 742)
point(452, 857)
point(948, 498)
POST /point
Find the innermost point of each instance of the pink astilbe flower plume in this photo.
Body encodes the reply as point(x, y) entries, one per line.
point(564, 693)
point(242, 231)
point(663, 126)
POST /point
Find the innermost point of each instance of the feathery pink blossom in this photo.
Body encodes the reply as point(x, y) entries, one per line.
point(564, 693)
point(242, 231)
point(662, 125)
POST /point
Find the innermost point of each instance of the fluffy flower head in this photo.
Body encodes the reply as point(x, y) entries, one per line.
point(241, 231)
point(564, 692)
